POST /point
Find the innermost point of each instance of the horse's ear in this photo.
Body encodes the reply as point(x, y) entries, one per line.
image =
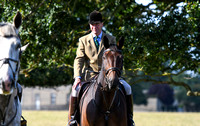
point(120, 43)
point(106, 42)
point(23, 48)
point(17, 20)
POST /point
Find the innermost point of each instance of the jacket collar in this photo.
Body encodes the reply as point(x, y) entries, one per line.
point(100, 35)
point(91, 40)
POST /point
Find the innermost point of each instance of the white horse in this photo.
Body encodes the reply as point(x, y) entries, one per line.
point(10, 51)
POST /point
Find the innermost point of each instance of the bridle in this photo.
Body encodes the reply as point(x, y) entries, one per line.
point(7, 61)
point(116, 69)
point(14, 72)
point(118, 72)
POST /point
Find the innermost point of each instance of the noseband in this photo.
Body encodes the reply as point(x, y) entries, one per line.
point(117, 70)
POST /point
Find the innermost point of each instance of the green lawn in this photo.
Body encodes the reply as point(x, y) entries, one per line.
point(59, 118)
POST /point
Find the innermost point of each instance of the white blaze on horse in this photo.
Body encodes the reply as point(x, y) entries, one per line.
point(10, 51)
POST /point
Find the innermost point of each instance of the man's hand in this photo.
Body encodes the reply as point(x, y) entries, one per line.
point(76, 82)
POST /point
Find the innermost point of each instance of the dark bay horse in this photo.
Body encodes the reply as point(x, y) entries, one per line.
point(103, 103)
point(10, 51)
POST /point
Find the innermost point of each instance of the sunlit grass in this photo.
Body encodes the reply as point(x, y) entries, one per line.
point(59, 118)
point(45, 118)
point(166, 119)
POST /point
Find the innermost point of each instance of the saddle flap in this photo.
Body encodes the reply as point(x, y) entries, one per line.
point(83, 88)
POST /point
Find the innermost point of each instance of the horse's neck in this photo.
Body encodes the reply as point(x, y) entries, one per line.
point(6, 102)
point(104, 97)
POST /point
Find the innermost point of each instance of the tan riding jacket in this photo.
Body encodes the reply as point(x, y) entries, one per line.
point(88, 60)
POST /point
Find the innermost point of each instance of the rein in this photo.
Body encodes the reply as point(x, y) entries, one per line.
point(108, 107)
point(108, 111)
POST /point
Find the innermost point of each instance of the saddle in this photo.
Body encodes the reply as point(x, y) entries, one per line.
point(85, 86)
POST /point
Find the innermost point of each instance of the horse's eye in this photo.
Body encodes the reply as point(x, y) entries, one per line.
point(18, 46)
point(119, 58)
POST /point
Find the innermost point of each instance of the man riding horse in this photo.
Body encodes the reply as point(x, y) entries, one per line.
point(88, 62)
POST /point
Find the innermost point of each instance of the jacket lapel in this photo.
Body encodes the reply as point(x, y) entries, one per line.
point(91, 41)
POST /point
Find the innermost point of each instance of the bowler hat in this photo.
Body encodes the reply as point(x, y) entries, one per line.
point(95, 17)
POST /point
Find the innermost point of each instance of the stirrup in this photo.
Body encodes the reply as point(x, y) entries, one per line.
point(23, 121)
point(72, 122)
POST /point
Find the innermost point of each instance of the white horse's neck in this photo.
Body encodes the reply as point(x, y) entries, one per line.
point(4, 103)
point(7, 106)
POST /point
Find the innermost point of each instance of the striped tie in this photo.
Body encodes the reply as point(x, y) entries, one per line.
point(96, 42)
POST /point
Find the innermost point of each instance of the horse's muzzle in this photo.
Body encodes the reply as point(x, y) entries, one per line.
point(6, 87)
point(112, 83)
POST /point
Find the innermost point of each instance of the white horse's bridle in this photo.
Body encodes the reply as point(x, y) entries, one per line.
point(7, 61)
point(14, 72)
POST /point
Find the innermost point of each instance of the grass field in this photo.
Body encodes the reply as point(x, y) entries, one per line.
point(59, 118)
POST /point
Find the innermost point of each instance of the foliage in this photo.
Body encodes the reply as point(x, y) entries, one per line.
point(138, 96)
point(47, 77)
point(160, 39)
point(191, 103)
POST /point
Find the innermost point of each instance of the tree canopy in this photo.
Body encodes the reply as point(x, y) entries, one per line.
point(162, 37)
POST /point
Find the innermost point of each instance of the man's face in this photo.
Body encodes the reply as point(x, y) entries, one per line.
point(96, 28)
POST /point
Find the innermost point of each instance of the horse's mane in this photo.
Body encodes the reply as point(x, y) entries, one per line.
point(7, 30)
point(113, 47)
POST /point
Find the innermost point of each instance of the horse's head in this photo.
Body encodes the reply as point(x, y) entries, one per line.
point(112, 63)
point(10, 51)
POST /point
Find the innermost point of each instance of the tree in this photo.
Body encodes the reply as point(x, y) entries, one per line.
point(188, 103)
point(160, 39)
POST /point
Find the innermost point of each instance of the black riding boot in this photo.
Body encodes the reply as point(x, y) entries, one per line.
point(129, 101)
point(72, 111)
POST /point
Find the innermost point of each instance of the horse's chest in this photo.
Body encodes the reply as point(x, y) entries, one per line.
point(95, 113)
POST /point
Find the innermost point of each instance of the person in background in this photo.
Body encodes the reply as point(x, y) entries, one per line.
point(88, 63)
